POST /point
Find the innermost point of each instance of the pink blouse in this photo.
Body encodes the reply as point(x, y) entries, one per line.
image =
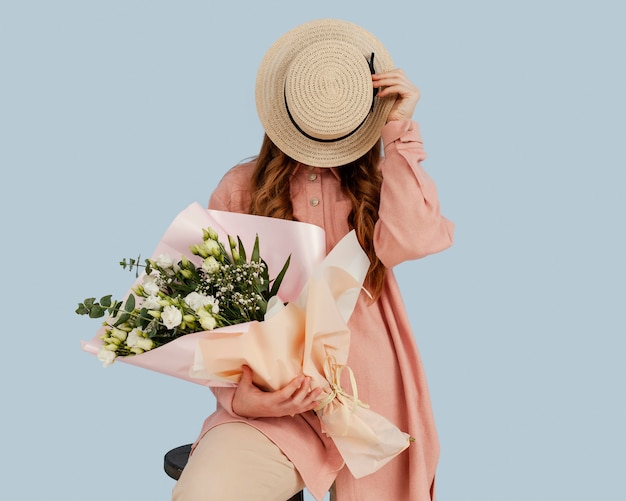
point(383, 354)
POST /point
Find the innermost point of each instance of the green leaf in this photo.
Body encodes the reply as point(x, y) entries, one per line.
point(96, 312)
point(144, 318)
point(81, 310)
point(89, 302)
point(106, 301)
point(130, 304)
point(279, 278)
point(256, 255)
point(124, 317)
point(242, 250)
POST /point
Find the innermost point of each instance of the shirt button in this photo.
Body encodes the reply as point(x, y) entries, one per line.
point(312, 176)
point(314, 202)
point(309, 167)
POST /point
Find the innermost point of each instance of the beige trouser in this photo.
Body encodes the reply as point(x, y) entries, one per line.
point(236, 462)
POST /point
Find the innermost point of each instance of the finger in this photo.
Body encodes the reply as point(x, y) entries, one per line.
point(309, 403)
point(246, 376)
point(387, 82)
point(386, 74)
point(286, 392)
point(313, 397)
point(312, 401)
point(301, 394)
point(400, 90)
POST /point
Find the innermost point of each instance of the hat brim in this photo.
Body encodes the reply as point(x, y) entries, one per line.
point(270, 97)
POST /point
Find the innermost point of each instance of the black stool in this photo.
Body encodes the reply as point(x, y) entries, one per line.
point(176, 459)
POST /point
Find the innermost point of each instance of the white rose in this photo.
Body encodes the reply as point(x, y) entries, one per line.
point(210, 265)
point(171, 316)
point(105, 356)
point(151, 303)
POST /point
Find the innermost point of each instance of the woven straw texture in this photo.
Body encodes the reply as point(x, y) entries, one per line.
point(316, 81)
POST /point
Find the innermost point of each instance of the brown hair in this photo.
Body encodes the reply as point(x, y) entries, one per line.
point(360, 182)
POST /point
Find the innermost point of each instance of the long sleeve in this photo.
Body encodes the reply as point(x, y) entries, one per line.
point(233, 192)
point(410, 224)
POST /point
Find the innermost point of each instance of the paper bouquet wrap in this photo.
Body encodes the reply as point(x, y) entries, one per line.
point(305, 331)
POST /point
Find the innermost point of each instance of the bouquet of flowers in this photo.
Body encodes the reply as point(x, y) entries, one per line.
point(178, 298)
point(202, 317)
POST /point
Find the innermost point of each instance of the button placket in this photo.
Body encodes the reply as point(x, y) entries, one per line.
point(314, 188)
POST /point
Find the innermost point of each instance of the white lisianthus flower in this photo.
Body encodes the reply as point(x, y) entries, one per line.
point(215, 305)
point(118, 334)
point(151, 303)
point(207, 321)
point(212, 247)
point(105, 356)
point(195, 300)
point(133, 337)
point(145, 344)
point(150, 285)
point(164, 261)
point(171, 316)
point(210, 265)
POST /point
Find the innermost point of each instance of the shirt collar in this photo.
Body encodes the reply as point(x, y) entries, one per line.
point(318, 170)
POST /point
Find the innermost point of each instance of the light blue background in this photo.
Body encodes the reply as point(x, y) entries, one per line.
point(116, 115)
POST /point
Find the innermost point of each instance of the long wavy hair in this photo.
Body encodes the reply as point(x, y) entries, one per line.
point(360, 182)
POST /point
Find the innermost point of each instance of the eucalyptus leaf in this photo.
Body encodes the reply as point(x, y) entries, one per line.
point(96, 312)
point(130, 303)
point(124, 317)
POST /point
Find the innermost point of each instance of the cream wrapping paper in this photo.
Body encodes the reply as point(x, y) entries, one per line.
point(311, 336)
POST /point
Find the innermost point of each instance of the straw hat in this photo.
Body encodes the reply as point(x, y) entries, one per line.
point(314, 93)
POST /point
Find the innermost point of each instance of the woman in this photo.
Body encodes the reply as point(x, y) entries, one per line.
point(327, 93)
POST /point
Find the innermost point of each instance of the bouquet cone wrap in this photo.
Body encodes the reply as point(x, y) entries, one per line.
point(308, 334)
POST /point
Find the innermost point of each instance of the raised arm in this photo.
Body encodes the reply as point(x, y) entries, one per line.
point(410, 224)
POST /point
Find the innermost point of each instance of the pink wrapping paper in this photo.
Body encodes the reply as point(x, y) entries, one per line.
point(278, 239)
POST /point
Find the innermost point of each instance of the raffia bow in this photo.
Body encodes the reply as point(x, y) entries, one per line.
point(333, 371)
